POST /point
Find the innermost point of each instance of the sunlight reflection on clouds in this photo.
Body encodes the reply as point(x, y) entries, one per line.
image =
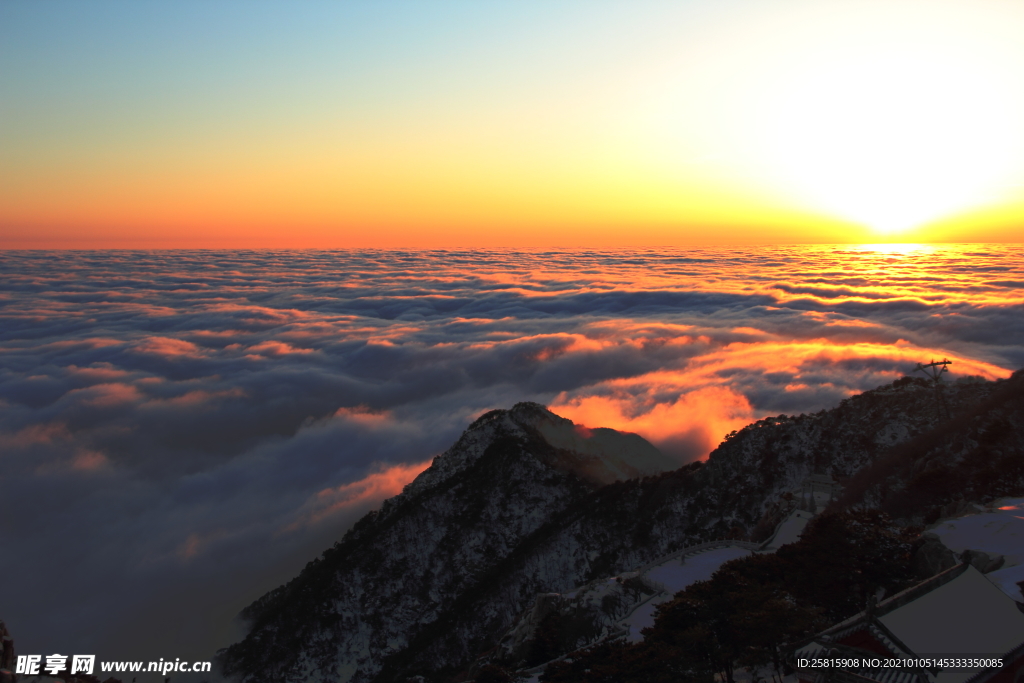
point(207, 422)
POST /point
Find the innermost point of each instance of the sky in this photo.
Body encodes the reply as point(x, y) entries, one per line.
point(287, 252)
point(229, 124)
point(182, 431)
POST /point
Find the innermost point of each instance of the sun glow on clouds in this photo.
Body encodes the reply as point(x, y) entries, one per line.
point(373, 488)
point(687, 412)
point(687, 428)
point(201, 433)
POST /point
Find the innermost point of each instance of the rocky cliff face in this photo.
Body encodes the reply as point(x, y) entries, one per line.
point(401, 573)
point(521, 506)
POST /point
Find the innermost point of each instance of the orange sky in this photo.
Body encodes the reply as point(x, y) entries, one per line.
point(574, 124)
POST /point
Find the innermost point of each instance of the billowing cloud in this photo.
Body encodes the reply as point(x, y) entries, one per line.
point(687, 411)
point(185, 430)
point(688, 427)
point(372, 488)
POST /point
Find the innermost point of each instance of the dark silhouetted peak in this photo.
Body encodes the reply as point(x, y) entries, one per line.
point(600, 456)
point(529, 411)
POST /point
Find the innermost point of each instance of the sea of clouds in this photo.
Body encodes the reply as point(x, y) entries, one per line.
point(181, 431)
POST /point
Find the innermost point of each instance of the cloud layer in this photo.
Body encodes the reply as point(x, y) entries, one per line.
point(182, 431)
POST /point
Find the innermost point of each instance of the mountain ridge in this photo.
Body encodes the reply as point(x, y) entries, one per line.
point(498, 450)
point(414, 613)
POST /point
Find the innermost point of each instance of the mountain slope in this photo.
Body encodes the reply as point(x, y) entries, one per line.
point(443, 570)
point(407, 565)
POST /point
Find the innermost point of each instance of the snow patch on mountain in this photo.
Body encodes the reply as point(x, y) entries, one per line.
point(999, 530)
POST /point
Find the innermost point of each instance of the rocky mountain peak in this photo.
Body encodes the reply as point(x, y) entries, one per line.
point(414, 563)
point(599, 456)
point(526, 502)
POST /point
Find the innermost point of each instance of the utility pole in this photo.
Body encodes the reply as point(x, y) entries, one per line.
point(934, 372)
point(934, 369)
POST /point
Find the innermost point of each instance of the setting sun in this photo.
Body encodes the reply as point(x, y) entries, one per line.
point(682, 123)
point(899, 124)
point(900, 135)
point(382, 341)
point(887, 115)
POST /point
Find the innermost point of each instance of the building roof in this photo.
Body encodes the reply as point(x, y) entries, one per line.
point(966, 615)
point(955, 612)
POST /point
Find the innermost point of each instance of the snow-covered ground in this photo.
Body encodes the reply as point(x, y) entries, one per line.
point(790, 530)
point(643, 617)
point(997, 530)
point(677, 574)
